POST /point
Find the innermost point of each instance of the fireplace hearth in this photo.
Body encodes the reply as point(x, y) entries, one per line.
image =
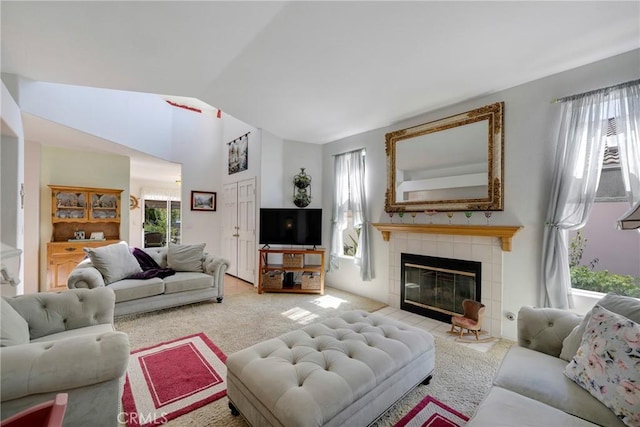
point(435, 287)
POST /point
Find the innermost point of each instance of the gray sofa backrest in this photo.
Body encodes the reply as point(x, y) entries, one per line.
point(544, 329)
point(49, 313)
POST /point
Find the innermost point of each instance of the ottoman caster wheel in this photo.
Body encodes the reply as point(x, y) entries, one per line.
point(234, 411)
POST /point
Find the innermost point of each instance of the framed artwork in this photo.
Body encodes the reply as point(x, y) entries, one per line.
point(203, 201)
point(239, 154)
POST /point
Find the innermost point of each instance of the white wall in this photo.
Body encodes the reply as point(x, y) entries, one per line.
point(196, 145)
point(11, 180)
point(530, 138)
point(272, 172)
point(138, 120)
point(32, 152)
point(83, 169)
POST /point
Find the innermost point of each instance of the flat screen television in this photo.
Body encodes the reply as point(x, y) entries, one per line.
point(286, 226)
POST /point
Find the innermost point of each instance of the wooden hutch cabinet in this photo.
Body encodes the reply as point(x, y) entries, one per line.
point(76, 214)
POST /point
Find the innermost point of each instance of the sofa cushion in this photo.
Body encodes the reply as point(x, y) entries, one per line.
point(14, 329)
point(130, 289)
point(48, 313)
point(540, 377)
point(185, 257)
point(504, 408)
point(625, 306)
point(89, 330)
point(114, 262)
point(159, 255)
point(605, 364)
point(186, 281)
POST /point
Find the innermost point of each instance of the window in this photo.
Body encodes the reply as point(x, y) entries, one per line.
point(602, 258)
point(349, 201)
point(350, 236)
point(162, 217)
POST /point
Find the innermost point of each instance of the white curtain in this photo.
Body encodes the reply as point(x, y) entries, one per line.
point(160, 194)
point(628, 139)
point(349, 194)
point(577, 166)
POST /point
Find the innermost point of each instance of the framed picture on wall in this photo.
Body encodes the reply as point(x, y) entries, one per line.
point(239, 154)
point(203, 201)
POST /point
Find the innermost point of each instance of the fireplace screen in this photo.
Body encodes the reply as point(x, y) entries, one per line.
point(436, 287)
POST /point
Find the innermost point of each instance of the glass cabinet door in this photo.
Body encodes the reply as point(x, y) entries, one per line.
point(104, 206)
point(70, 205)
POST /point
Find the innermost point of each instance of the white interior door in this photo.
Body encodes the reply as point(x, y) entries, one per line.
point(246, 230)
point(229, 227)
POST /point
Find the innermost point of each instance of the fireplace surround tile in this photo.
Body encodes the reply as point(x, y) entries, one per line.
point(487, 250)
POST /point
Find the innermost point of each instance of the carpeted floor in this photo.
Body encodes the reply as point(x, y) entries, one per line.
point(461, 379)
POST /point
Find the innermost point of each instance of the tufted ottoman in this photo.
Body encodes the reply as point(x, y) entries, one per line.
point(344, 371)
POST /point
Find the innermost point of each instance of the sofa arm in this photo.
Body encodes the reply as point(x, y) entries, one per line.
point(69, 363)
point(216, 267)
point(544, 329)
point(48, 313)
point(85, 275)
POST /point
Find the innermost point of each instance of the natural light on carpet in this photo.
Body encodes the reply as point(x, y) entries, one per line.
point(328, 301)
point(300, 315)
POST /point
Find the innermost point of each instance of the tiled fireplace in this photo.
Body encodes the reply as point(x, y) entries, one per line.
point(435, 287)
point(487, 251)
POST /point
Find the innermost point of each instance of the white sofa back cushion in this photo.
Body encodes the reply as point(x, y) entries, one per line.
point(185, 257)
point(114, 262)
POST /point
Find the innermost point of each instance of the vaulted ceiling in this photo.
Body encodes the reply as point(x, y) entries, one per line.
point(312, 71)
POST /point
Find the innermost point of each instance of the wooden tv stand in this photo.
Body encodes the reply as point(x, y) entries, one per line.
point(265, 267)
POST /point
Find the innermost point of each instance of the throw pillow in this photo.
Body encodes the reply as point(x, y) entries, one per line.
point(114, 262)
point(185, 257)
point(605, 364)
point(625, 306)
point(14, 329)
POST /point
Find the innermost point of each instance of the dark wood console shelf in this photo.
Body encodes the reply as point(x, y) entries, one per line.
point(266, 267)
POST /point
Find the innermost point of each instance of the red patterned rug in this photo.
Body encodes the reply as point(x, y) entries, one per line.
point(430, 412)
point(172, 379)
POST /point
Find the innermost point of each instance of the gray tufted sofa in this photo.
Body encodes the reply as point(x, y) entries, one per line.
point(530, 388)
point(344, 371)
point(63, 343)
point(140, 296)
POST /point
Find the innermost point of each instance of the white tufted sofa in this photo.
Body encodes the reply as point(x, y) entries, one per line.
point(63, 342)
point(530, 388)
point(345, 371)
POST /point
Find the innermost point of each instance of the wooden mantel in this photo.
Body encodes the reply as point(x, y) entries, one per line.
point(504, 232)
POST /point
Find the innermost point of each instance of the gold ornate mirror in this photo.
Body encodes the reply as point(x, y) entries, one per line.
point(452, 164)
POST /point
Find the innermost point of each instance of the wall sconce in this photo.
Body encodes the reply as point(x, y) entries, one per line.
point(9, 265)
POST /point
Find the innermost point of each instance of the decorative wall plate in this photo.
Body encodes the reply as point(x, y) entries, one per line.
point(133, 202)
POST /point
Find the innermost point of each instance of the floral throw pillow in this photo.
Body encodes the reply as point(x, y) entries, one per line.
point(607, 363)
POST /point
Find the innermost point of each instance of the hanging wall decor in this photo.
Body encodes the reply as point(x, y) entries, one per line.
point(239, 154)
point(302, 183)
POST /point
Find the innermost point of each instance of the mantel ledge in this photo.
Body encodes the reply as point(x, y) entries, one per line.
point(503, 232)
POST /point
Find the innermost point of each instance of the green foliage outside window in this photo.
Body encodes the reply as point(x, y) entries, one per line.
point(584, 277)
point(350, 248)
point(155, 220)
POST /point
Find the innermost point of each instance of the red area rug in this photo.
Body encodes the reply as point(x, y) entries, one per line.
point(430, 412)
point(172, 379)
